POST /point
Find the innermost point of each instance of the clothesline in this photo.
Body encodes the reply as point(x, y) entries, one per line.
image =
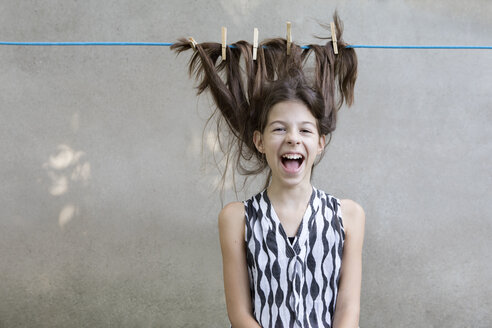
point(143, 44)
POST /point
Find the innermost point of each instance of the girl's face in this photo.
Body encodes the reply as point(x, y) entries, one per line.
point(290, 142)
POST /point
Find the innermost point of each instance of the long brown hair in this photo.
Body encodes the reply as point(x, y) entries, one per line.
point(244, 90)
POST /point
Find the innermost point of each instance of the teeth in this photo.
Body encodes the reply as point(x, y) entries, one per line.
point(292, 156)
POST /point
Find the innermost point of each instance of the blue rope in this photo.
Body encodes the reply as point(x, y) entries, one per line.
point(419, 47)
point(3, 43)
point(6, 43)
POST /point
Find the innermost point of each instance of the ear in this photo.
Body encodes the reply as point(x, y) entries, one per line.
point(321, 144)
point(258, 141)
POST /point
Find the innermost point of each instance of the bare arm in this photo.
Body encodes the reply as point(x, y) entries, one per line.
point(348, 302)
point(236, 283)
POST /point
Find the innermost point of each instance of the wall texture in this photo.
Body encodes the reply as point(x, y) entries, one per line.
point(108, 215)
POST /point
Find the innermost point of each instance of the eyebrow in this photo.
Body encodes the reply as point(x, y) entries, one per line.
point(302, 123)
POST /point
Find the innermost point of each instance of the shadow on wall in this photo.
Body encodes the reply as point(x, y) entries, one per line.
point(66, 168)
point(211, 157)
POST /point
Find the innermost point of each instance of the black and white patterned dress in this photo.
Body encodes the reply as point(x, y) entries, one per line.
point(294, 285)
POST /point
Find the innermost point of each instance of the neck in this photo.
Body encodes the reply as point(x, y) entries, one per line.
point(286, 194)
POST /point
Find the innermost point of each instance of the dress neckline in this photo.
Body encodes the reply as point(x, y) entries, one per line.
point(279, 223)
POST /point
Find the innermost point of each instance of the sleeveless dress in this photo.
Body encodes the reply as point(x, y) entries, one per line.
point(294, 285)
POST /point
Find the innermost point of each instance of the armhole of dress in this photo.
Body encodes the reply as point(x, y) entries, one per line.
point(340, 218)
point(245, 203)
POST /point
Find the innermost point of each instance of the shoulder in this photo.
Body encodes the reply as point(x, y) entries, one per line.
point(231, 216)
point(234, 209)
point(353, 216)
point(351, 208)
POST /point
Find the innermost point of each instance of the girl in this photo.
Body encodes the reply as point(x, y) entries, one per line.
point(291, 253)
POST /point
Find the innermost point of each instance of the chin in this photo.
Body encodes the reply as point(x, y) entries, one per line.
point(294, 180)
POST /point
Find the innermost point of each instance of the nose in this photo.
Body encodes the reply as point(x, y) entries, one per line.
point(293, 138)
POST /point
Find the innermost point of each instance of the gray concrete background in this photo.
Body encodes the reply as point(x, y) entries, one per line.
point(108, 212)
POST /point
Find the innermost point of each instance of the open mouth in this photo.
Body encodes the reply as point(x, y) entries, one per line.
point(292, 162)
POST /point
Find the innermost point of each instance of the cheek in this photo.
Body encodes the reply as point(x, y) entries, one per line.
point(271, 148)
point(271, 142)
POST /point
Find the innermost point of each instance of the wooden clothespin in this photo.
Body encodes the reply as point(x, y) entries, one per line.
point(193, 42)
point(255, 43)
point(224, 44)
point(334, 38)
point(289, 37)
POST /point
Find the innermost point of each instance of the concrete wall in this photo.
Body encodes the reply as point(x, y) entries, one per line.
point(107, 207)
